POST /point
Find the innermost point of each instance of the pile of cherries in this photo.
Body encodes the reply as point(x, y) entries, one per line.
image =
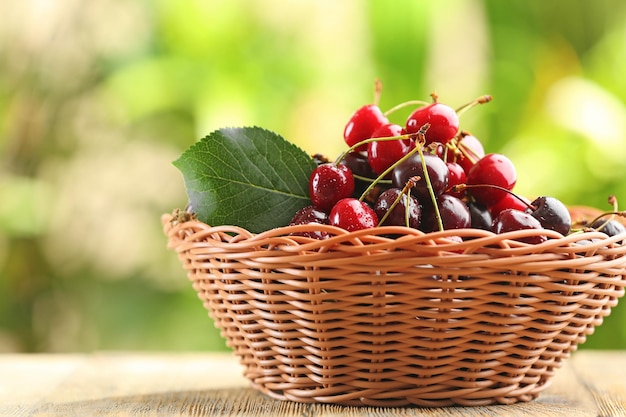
point(427, 174)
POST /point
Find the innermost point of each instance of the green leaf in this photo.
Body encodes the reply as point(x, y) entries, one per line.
point(248, 177)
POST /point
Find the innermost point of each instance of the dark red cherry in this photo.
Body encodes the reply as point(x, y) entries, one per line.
point(552, 214)
point(437, 172)
point(351, 214)
point(363, 124)
point(481, 217)
point(454, 214)
point(510, 220)
point(492, 169)
point(444, 122)
point(381, 155)
point(330, 183)
point(310, 214)
point(399, 215)
point(610, 228)
point(358, 164)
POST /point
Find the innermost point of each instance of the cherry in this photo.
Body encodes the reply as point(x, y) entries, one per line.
point(510, 220)
point(363, 123)
point(610, 228)
point(398, 215)
point(480, 215)
point(509, 201)
point(383, 154)
point(358, 164)
point(552, 214)
point(457, 177)
point(444, 122)
point(330, 183)
point(310, 214)
point(454, 214)
point(492, 169)
point(465, 150)
point(437, 173)
point(351, 214)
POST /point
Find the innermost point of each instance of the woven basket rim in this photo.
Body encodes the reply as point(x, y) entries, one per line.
point(446, 239)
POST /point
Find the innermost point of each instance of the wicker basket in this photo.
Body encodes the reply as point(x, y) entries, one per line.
point(415, 319)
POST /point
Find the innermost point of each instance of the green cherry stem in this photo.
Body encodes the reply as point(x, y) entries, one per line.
point(480, 100)
point(420, 140)
point(406, 104)
point(611, 214)
point(368, 179)
point(385, 173)
point(405, 191)
point(429, 185)
point(407, 210)
point(456, 146)
point(366, 141)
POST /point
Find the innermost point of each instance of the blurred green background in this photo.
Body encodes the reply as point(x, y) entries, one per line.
point(98, 98)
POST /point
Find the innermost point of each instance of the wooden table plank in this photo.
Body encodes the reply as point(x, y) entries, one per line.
point(604, 378)
point(205, 384)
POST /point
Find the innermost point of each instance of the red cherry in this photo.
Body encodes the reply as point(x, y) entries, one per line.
point(510, 220)
point(468, 151)
point(381, 155)
point(328, 184)
point(444, 122)
point(352, 214)
point(362, 125)
point(457, 177)
point(492, 169)
point(509, 201)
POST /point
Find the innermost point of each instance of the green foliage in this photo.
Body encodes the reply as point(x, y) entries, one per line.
point(248, 177)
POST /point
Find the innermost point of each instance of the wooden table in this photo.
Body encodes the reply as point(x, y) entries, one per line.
point(591, 383)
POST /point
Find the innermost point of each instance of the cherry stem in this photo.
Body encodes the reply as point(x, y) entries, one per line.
point(480, 100)
point(607, 213)
point(368, 179)
point(457, 145)
point(366, 141)
point(406, 104)
point(418, 146)
point(385, 173)
point(405, 191)
point(429, 185)
point(461, 187)
point(407, 208)
point(612, 214)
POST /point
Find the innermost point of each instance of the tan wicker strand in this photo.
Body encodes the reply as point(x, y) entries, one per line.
point(396, 317)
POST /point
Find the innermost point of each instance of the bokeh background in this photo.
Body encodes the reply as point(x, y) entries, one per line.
point(98, 98)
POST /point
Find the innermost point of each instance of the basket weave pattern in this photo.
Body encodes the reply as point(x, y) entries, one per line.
point(363, 318)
